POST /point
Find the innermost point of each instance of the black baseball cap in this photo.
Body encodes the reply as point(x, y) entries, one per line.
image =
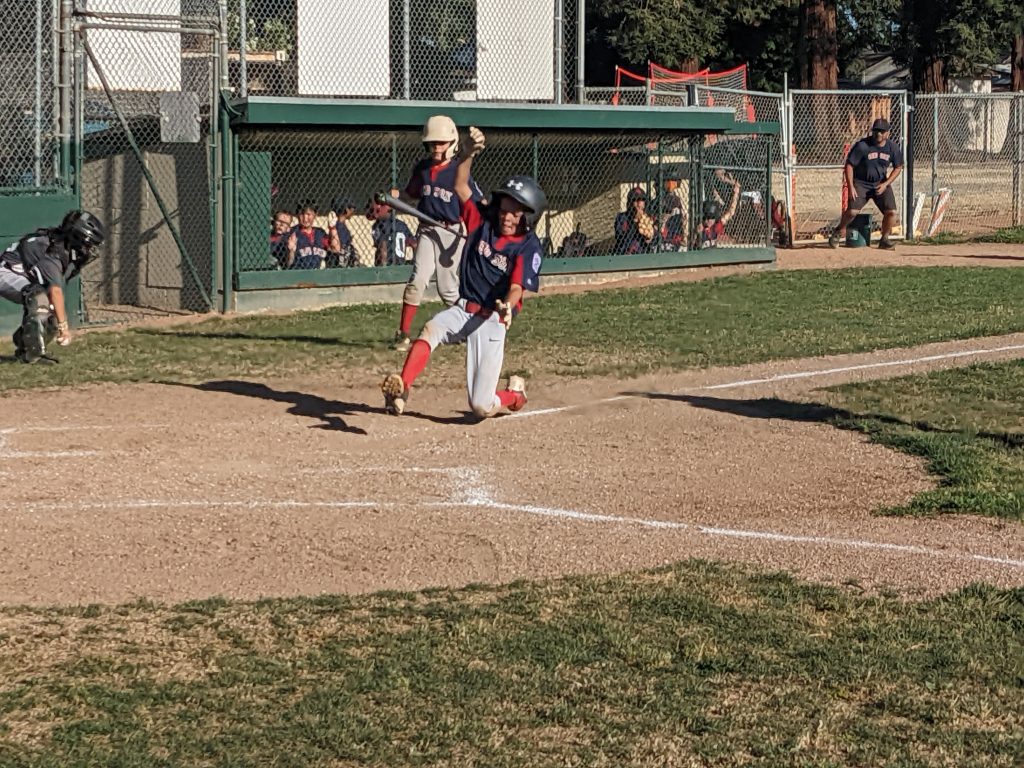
point(881, 125)
point(342, 203)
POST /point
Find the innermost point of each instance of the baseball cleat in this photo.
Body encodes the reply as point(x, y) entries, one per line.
point(833, 240)
point(396, 394)
point(886, 245)
point(517, 385)
point(402, 342)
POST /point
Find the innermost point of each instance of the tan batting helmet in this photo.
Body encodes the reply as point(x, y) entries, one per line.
point(442, 128)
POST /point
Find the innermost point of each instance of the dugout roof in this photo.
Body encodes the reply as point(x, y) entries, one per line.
point(321, 113)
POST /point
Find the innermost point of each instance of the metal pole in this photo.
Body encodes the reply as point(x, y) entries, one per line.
point(406, 51)
point(581, 42)
point(222, 40)
point(65, 117)
point(1018, 158)
point(243, 79)
point(559, 50)
point(935, 148)
point(908, 143)
point(39, 94)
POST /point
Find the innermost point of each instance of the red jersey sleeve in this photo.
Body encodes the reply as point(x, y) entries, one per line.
point(470, 215)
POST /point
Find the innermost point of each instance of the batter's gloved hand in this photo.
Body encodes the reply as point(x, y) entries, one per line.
point(477, 141)
point(504, 312)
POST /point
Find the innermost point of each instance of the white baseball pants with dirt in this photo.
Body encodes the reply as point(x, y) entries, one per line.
point(11, 285)
point(437, 249)
point(485, 351)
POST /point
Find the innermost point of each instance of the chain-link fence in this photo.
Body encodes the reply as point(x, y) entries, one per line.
point(823, 126)
point(968, 161)
point(29, 98)
point(146, 114)
point(434, 50)
point(591, 182)
point(735, 187)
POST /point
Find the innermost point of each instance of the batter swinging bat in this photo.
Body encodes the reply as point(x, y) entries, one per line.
point(384, 198)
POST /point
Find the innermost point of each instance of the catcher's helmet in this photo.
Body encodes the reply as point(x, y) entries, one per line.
point(711, 210)
point(525, 191)
point(636, 193)
point(82, 231)
point(441, 128)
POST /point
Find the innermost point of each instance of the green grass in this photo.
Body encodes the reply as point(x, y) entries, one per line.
point(691, 665)
point(968, 424)
point(716, 322)
point(1009, 235)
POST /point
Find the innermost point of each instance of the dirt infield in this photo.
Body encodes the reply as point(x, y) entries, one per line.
point(274, 488)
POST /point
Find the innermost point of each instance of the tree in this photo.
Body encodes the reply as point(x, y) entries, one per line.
point(818, 49)
point(677, 34)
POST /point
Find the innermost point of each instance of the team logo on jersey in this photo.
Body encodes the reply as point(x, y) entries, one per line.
point(497, 259)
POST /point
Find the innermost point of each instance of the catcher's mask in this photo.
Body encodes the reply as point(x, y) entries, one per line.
point(525, 191)
point(82, 231)
point(441, 128)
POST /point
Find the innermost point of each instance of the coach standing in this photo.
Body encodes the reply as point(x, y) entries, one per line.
point(872, 166)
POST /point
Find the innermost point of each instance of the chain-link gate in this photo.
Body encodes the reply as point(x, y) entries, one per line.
point(968, 152)
point(421, 50)
point(30, 129)
point(146, 112)
point(822, 126)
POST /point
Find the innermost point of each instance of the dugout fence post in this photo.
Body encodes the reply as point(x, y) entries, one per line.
point(910, 110)
point(1018, 159)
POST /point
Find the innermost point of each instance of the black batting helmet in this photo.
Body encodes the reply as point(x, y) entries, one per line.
point(525, 191)
point(82, 231)
point(711, 210)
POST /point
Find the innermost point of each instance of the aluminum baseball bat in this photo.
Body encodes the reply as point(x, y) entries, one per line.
point(403, 207)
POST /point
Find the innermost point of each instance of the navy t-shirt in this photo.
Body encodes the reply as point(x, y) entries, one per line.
point(394, 230)
point(434, 185)
point(492, 263)
point(871, 162)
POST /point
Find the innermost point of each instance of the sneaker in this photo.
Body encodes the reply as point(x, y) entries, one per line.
point(402, 342)
point(833, 240)
point(886, 245)
point(396, 394)
point(517, 385)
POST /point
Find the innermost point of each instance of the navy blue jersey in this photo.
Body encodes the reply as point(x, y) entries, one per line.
point(434, 185)
point(871, 162)
point(279, 248)
point(627, 237)
point(390, 238)
point(492, 263)
point(344, 234)
point(41, 257)
point(310, 247)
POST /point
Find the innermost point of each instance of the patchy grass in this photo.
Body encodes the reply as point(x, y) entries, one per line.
point(968, 424)
point(1009, 235)
point(725, 321)
point(690, 665)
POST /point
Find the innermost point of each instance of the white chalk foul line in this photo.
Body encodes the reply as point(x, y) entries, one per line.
point(735, 533)
point(789, 376)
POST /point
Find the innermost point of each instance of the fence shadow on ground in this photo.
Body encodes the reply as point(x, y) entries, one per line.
point(788, 410)
point(242, 336)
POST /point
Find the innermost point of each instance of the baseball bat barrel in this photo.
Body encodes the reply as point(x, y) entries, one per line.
point(402, 207)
